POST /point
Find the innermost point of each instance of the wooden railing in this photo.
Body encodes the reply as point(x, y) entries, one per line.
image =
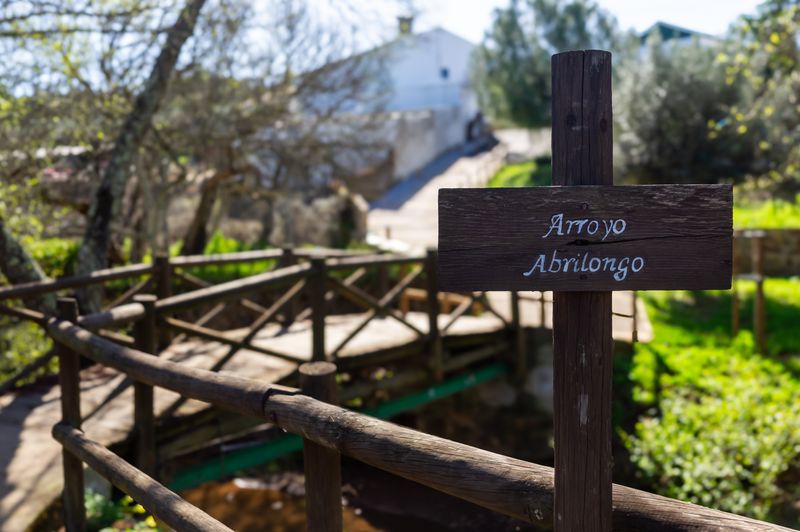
point(505, 485)
point(319, 277)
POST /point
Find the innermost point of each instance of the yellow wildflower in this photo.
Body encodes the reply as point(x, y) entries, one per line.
point(774, 38)
point(741, 129)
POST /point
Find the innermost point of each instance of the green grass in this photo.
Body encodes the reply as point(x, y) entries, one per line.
point(772, 214)
point(719, 424)
point(535, 173)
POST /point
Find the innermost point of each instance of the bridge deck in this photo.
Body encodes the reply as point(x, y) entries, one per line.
point(31, 459)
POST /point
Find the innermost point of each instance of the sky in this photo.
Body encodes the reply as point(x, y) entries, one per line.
point(470, 18)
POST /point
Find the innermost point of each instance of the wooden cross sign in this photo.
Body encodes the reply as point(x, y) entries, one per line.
point(583, 239)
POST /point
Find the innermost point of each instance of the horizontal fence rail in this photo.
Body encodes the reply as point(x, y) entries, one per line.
point(509, 486)
point(51, 285)
point(165, 505)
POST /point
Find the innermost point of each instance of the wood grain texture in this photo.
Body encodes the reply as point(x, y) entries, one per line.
point(488, 238)
point(513, 487)
point(582, 339)
point(144, 425)
point(69, 377)
point(322, 465)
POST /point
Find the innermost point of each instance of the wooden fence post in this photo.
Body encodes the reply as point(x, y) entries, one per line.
point(146, 336)
point(287, 259)
point(734, 287)
point(70, 380)
point(634, 317)
point(317, 284)
point(432, 294)
point(519, 340)
point(322, 466)
point(759, 305)
point(163, 289)
point(582, 342)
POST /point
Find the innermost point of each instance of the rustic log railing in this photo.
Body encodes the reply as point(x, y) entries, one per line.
point(506, 485)
point(319, 276)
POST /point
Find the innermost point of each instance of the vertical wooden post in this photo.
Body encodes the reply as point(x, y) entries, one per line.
point(287, 259)
point(163, 289)
point(432, 295)
point(316, 292)
point(70, 380)
point(734, 291)
point(519, 340)
point(582, 342)
point(146, 337)
point(634, 317)
point(322, 465)
point(542, 307)
point(759, 305)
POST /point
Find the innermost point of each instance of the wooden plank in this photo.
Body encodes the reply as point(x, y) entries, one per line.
point(112, 317)
point(226, 391)
point(158, 500)
point(232, 289)
point(239, 257)
point(97, 277)
point(372, 260)
point(69, 378)
point(657, 237)
point(582, 340)
point(322, 465)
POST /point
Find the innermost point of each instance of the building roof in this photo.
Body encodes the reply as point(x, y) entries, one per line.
point(669, 31)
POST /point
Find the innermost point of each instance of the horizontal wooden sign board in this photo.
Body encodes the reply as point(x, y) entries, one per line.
point(592, 238)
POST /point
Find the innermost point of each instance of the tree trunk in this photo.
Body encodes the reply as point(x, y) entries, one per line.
point(197, 235)
point(19, 267)
point(93, 254)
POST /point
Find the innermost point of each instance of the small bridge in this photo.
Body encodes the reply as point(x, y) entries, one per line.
point(379, 318)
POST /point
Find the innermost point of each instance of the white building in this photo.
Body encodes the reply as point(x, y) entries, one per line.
point(430, 70)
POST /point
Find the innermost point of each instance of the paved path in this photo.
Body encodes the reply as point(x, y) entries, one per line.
point(406, 219)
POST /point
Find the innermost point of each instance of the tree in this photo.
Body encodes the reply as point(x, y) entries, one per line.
point(511, 68)
point(93, 254)
point(667, 108)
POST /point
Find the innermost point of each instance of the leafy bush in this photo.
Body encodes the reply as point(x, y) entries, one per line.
point(670, 108)
point(21, 343)
point(721, 423)
point(56, 256)
point(771, 214)
point(219, 243)
point(106, 515)
point(534, 173)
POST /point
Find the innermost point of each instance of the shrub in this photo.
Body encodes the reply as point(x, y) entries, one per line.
point(721, 423)
point(670, 108)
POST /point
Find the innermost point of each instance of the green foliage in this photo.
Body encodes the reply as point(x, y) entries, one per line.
point(511, 68)
point(721, 423)
point(56, 256)
point(764, 58)
point(21, 343)
point(672, 116)
point(526, 174)
point(106, 515)
point(771, 214)
point(219, 243)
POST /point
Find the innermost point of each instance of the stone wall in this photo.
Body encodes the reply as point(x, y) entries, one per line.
point(330, 221)
point(781, 252)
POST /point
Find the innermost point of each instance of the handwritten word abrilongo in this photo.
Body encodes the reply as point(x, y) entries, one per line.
point(583, 262)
